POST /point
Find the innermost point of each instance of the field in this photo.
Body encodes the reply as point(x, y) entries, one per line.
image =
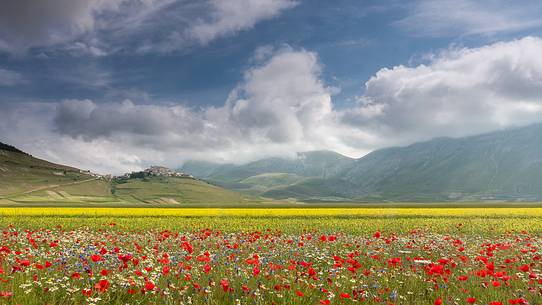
point(270, 256)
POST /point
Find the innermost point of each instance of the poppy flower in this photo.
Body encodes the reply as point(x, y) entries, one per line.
point(96, 258)
point(207, 268)
point(345, 296)
point(76, 275)
point(149, 285)
point(102, 285)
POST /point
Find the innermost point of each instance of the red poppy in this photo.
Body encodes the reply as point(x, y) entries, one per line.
point(344, 296)
point(102, 285)
point(207, 268)
point(76, 275)
point(225, 284)
point(96, 258)
point(6, 294)
point(149, 285)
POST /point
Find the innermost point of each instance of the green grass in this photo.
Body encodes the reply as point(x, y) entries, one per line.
point(268, 181)
point(20, 173)
point(176, 191)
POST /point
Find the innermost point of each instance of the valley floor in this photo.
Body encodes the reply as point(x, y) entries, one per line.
point(263, 256)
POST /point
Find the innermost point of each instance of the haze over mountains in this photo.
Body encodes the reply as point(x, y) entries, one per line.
point(503, 165)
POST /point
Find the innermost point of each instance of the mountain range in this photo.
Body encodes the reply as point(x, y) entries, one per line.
point(502, 165)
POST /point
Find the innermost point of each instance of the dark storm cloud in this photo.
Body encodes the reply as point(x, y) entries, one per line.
point(98, 27)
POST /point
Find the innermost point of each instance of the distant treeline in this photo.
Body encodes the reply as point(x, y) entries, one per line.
point(10, 148)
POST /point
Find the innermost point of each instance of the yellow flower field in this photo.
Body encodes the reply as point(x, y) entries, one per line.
point(274, 212)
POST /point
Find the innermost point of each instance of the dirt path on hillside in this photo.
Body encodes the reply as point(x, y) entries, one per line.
point(46, 187)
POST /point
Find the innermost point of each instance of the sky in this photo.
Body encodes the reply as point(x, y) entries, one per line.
point(118, 85)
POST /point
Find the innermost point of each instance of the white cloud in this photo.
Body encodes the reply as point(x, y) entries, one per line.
point(459, 92)
point(229, 17)
point(283, 106)
point(101, 27)
point(470, 17)
point(10, 78)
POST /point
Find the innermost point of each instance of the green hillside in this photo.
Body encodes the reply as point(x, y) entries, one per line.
point(314, 189)
point(21, 173)
point(270, 174)
point(271, 180)
point(307, 164)
point(503, 165)
point(175, 191)
point(25, 180)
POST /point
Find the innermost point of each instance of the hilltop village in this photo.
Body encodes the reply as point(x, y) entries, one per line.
point(156, 171)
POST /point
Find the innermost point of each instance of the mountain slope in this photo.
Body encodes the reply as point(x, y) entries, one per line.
point(261, 176)
point(503, 165)
point(307, 164)
point(32, 181)
point(176, 191)
point(500, 165)
point(21, 173)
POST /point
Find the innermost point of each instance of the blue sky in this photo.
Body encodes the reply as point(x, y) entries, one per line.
point(117, 85)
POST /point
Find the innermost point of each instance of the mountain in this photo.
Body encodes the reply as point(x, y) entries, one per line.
point(502, 165)
point(27, 180)
point(267, 174)
point(21, 173)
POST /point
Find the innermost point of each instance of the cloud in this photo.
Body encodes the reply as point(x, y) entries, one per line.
point(458, 92)
point(10, 78)
point(28, 23)
point(232, 16)
point(470, 17)
point(283, 106)
point(281, 101)
point(101, 27)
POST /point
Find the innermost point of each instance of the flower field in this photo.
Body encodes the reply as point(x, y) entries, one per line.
point(272, 256)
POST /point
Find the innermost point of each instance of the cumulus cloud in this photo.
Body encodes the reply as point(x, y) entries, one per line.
point(470, 17)
point(458, 92)
point(281, 102)
point(283, 106)
point(100, 27)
